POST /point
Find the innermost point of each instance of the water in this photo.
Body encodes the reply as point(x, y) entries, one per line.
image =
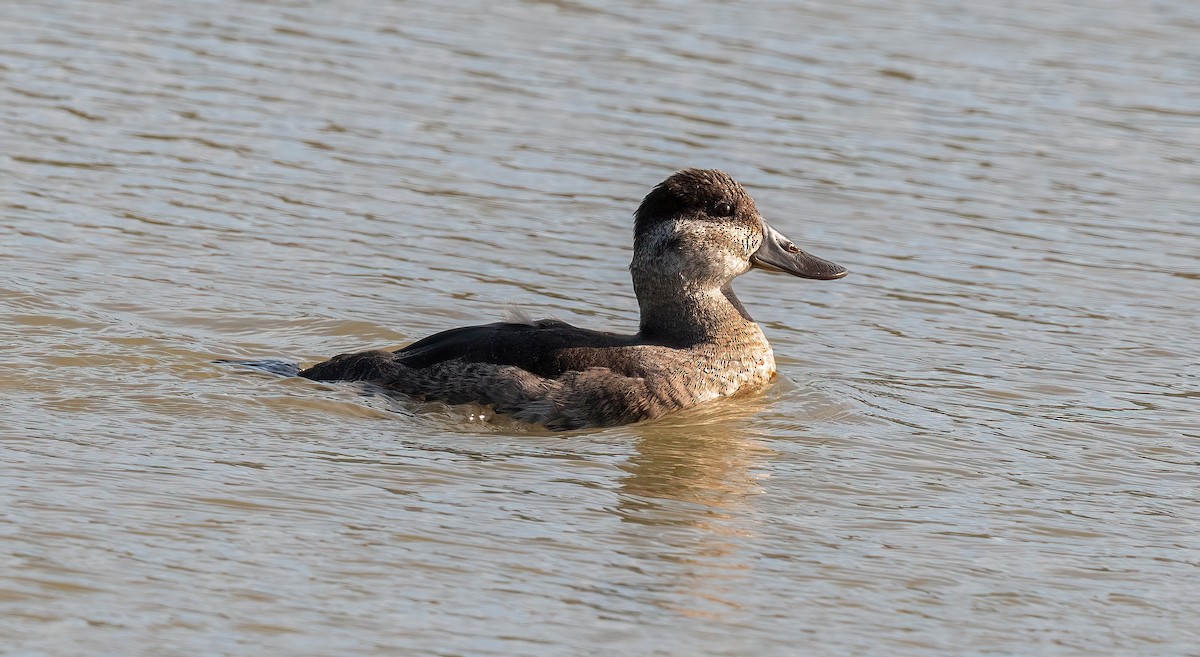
point(984, 442)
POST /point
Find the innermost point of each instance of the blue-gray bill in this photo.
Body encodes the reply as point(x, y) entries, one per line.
point(778, 253)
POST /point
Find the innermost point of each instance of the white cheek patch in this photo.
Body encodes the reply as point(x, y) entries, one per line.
point(727, 237)
point(725, 245)
point(735, 266)
point(662, 244)
point(701, 247)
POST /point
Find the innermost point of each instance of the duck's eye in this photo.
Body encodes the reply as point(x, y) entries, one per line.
point(722, 209)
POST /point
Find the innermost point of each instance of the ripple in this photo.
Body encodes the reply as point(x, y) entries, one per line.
point(983, 437)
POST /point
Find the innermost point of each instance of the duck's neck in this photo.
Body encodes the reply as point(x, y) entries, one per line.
point(683, 313)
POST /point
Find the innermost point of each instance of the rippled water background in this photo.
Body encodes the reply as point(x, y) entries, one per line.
point(986, 441)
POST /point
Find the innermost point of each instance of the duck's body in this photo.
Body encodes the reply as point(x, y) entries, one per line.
point(694, 233)
point(549, 372)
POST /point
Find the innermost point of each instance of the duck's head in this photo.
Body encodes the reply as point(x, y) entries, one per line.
point(699, 227)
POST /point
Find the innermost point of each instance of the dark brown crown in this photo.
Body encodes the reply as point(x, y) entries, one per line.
point(691, 191)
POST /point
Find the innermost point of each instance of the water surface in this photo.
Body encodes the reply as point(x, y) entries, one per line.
point(984, 440)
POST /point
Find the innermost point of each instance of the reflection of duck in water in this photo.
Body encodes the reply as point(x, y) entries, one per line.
point(703, 458)
point(693, 234)
point(689, 504)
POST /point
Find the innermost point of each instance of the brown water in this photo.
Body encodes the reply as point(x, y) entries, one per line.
point(986, 442)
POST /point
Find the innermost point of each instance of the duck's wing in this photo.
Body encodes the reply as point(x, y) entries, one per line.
point(547, 348)
point(538, 347)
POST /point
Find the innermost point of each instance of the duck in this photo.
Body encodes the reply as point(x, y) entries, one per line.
point(693, 234)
